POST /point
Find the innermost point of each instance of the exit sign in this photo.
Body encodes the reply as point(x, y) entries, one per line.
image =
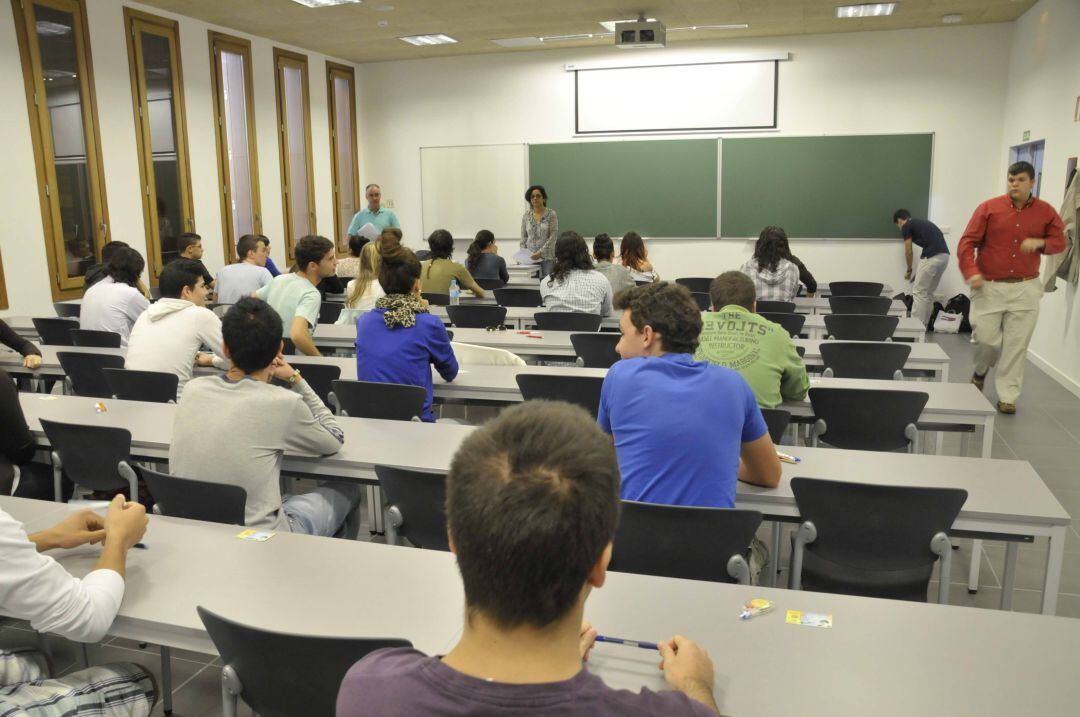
point(1027, 135)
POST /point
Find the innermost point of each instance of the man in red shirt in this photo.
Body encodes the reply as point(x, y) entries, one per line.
point(999, 257)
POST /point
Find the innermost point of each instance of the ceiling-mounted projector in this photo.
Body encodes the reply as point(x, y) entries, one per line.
point(640, 33)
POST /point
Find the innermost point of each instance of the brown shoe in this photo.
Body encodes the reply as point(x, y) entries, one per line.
point(978, 380)
point(1003, 407)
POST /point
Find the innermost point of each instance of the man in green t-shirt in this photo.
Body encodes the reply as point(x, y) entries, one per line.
point(732, 335)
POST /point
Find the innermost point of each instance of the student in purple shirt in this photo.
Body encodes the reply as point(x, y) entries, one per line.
point(532, 500)
point(399, 340)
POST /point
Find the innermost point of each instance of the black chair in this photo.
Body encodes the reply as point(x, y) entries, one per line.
point(423, 254)
point(369, 399)
point(514, 296)
point(775, 307)
point(489, 284)
point(84, 372)
point(152, 386)
point(320, 377)
point(595, 350)
point(692, 543)
point(95, 339)
point(94, 457)
point(872, 540)
point(155, 292)
point(855, 288)
point(437, 299)
point(567, 321)
point(698, 284)
point(792, 323)
point(583, 391)
point(416, 506)
point(874, 305)
point(777, 420)
point(801, 350)
point(330, 311)
point(860, 327)
point(55, 332)
point(288, 347)
point(866, 419)
point(873, 359)
point(67, 311)
point(283, 675)
point(642, 282)
point(704, 302)
point(195, 499)
point(476, 316)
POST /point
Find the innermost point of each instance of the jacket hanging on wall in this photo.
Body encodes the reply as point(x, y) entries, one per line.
point(1066, 265)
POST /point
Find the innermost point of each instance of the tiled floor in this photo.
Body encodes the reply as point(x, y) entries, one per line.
point(1045, 431)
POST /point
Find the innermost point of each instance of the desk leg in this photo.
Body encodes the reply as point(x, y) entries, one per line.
point(375, 508)
point(965, 443)
point(1054, 556)
point(943, 374)
point(988, 436)
point(976, 563)
point(773, 568)
point(1008, 577)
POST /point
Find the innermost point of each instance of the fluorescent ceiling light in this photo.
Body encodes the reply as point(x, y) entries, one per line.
point(429, 40)
point(736, 26)
point(586, 36)
point(867, 10)
point(518, 41)
point(609, 25)
point(326, 3)
point(952, 18)
point(51, 29)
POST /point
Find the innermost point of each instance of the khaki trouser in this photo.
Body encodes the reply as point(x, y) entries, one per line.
point(927, 276)
point(1003, 317)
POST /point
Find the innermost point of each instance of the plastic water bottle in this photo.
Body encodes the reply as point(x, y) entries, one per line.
point(455, 293)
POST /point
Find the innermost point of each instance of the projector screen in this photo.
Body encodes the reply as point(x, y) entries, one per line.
point(673, 98)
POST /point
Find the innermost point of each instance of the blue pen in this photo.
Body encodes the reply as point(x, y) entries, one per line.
point(631, 643)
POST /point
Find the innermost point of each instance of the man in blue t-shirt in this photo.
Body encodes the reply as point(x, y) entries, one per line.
point(932, 263)
point(684, 430)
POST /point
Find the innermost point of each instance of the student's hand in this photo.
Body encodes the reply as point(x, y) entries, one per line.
point(1031, 245)
point(587, 639)
point(81, 528)
point(975, 281)
point(125, 522)
point(32, 361)
point(535, 255)
point(281, 369)
point(202, 359)
point(907, 275)
point(686, 665)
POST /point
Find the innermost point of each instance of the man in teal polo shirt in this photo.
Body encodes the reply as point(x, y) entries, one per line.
point(373, 213)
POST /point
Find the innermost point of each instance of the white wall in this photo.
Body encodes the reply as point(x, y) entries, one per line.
point(21, 232)
point(951, 81)
point(1044, 83)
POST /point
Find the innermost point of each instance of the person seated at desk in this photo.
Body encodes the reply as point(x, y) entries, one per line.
point(295, 297)
point(484, 261)
point(36, 588)
point(234, 429)
point(634, 256)
point(439, 270)
point(363, 291)
point(97, 272)
point(618, 276)
point(399, 341)
point(190, 247)
point(348, 267)
point(775, 277)
point(31, 354)
point(574, 285)
point(270, 266)
point(168, 335)
point(115, 302)
point(805, 277)
point(532, 501)
point(246, 276)
point(733, 335)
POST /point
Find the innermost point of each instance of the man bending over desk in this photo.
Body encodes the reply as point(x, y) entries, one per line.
point(35, 587)
point(532, 500)
point(234, 428)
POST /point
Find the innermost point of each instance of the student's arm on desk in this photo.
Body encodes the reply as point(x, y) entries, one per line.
point(688, 669)
point(440, 351)
point(758, 463)
point(312, 427)
point(301, 337)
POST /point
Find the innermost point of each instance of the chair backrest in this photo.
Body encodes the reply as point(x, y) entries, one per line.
point(873, 359)
point(792, 323)
point(155, 292)
point(567, 321)
point(90, 455)
point(84, 370)
point(642, 282)
point(288, 347)
point(872, 540)
point(489, 284)
point(516, 296)
point(284, 675)
point(698, 284)
point(195, 499)
point(875, 305)
point(583, 391)
point(96, 339)
point(860, 327)
point(152, 386)
point(436, 299)
point(65, 310)
point(423, 254)
point(476, 316)
point(855, 288)
point(329, 311)
point(866, 419)
point(320, 377)
point(703, 300)
point(55, 332)
point(775, 307)
point(676, 541)
point(596, 350)
point(777, 420)
point(368, 399)
point(420, 499)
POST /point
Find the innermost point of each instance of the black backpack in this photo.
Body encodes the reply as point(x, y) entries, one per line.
point(959, 304)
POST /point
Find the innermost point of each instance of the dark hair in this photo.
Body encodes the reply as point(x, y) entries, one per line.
point(1022, 168)
point(109, 248)
point(177, 274)
point(483, 240)
point(632, 251)
point(571, 252)
point(399, 269)
point(185, 240)
point(529, 191)
point(252, 332)
point(669, 309)
point(532, 501)
point(249, 242)
point(125, 266)
point(900, 214)
point(390, 234)
point(771, 247)
point(311, 249)
point(441, 245)
point(356, 244)
point(603, 248)
point(732, 287)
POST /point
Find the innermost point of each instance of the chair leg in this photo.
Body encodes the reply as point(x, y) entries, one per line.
point(230, 692)
point(773, 567)
point(84, 650)
point(973, 570)
point(166, 679)
point(58, 478)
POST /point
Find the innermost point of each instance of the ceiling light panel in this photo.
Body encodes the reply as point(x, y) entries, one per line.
point(326, 3)
point(866, 10)
point(422, 40)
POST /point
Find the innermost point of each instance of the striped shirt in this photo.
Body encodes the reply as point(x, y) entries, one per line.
point(583, 290)
point(779, 285)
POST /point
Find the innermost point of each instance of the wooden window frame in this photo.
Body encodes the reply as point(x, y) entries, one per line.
point(3, 286)
point(334, 70)
point(281, 59)
point(62, 286)
point(135, 23)
point(239, 46)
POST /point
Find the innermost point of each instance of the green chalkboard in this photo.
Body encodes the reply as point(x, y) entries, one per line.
point(823, 187)
point(660, 188)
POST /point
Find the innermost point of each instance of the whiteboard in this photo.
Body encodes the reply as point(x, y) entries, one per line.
point(466, 189)
point(715, 96)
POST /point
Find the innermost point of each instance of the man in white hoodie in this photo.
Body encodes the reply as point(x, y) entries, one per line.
point(169, 335)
